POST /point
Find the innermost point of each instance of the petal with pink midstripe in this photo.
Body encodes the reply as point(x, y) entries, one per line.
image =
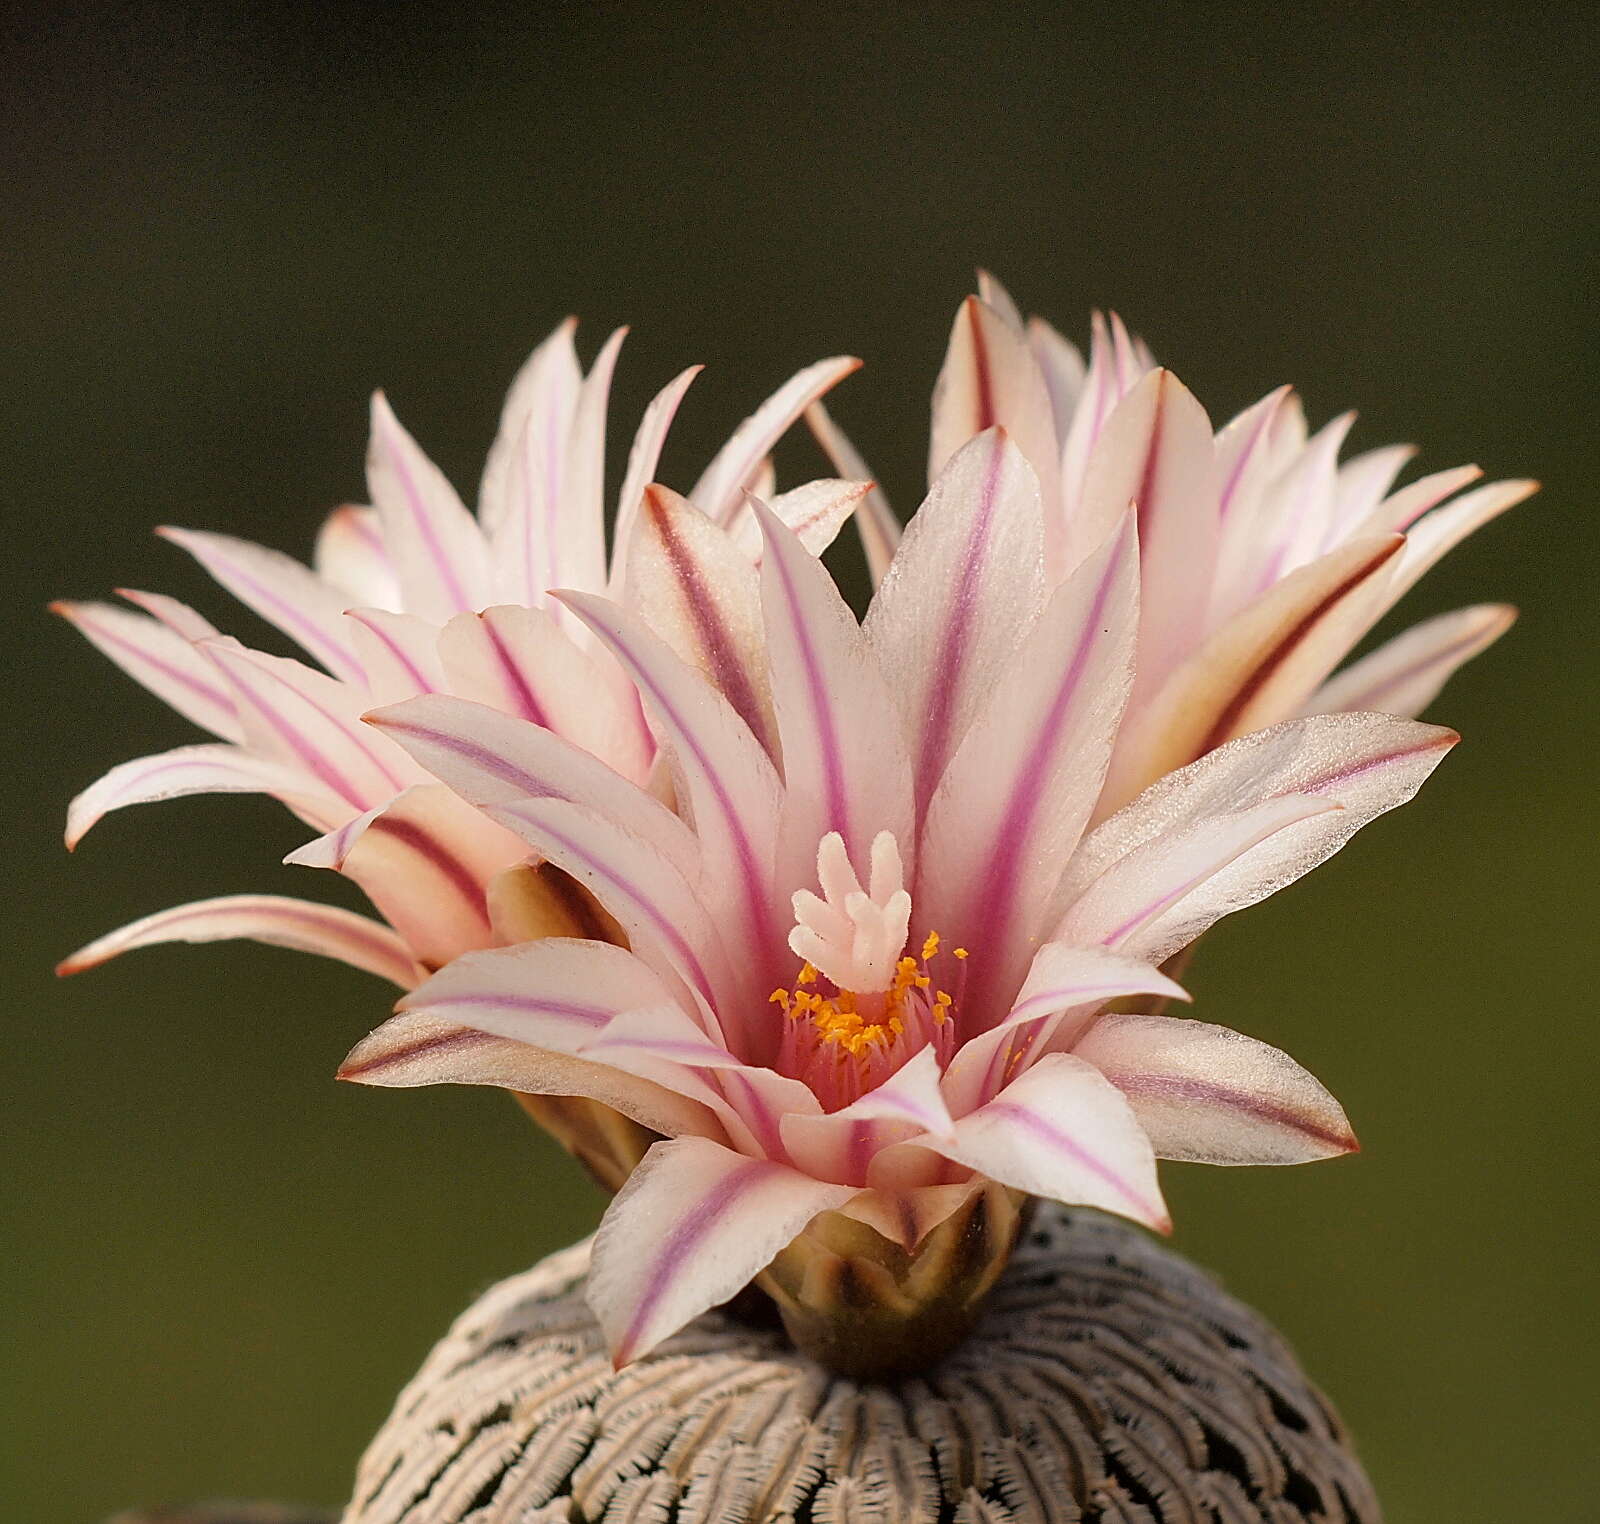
point(845, 761)
point(699, 592)
point(299, 925)
point(313, 722)
point(1063, 1131)
point(1214, 1096)
point(643, 457)
point(521, 662)
point(732, 788)
point(841, 1145)
point(399, 654)
point(161, 659)
point(665, 921)
point(722, 485)
point(991, 378)
point(351, 556)
point(1063, 982)
point(1363, 763)
point(966, 585)
point(425, 859)
point(206, 769)
point(439, 553)
point(490, 758)
point(876, 523)
point(695, 1223)
point(289, 596)
point(1405, 675)
point(415, 1048)
point(541, 398)
point(556, 993)
point(1259, 667)
point(1019, 791)
point(1156, 453)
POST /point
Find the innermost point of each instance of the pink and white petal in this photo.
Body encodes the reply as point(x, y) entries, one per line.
point(726, 778)
point(1020, 790)
point(178, 617)
point(643, 457)
point(1436, 535)
point(558, 993)
point(159, 659)
point(699, 592)
point(845, 762)
point(205, 769)
point(1061, 364)
point(1065, 985)
point(417, 1049)
point(1398, 512)
point(1406, 674)
point(425, 859)
point(993, 294)
point(289, 596)
point(1161, 896)
point(1063, 1131)
point(1246, 460)
point(524, 663)
point(1213, 1096)
point(439, 553)
point(1156, 452)
point(350, 555)
point(841, 1145)
point(1116, 366)
point(1364, 763)
point(494, 759)
point(722, 485)
point(665, 921)
point(695, 1223)
point(875, 520)
point(312, 722)
point(816, 511)
point(990, 379)
point(1364, 480)
point(965, 586)
point(1298, 516)
point(399, 654)
point(579, 525)
point(1259, 667)
point(543, 396)
point(296, 924)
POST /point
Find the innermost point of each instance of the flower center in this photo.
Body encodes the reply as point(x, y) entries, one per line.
point(860, 1006)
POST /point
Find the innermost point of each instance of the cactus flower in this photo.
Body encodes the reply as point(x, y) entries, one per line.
point(859, 980)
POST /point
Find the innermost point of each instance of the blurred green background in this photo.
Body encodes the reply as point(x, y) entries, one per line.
point(226, 224)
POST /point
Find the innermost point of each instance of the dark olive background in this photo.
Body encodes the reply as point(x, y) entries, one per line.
point(225, 225)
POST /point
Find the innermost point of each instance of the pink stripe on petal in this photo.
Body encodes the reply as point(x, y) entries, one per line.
point(966, 584)
point(439, 552)
point(1019, 792)
point(637, 884)
point(1207, 1094)
point(734, 789)
point(281, 590)
point(206, 769)
point(490, 758)
point(876, 523)
point(694, 1224)
point(643, 458)
point(161, 660)
point(845, 767)
point(296, 924)
point(1405, 675)
point(1061, 1130)
point(722, 485)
